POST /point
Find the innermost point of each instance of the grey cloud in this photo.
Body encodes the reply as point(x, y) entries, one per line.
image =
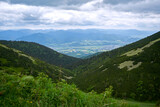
point(123, 5)
point(145, 6)
point(66, 2)
point(115, 2)
point(88, 15)
point(47, 2)
point(29, 18)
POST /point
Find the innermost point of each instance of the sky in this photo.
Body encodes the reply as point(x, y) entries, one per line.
point(80, 14)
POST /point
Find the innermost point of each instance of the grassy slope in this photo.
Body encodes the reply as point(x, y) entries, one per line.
point(41, 52)
point(136, 103)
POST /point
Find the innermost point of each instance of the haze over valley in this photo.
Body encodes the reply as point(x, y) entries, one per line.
point(78, 43)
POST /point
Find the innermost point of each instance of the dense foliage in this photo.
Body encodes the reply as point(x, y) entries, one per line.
point(140, 83)
point(22, 90)
point(43, 53)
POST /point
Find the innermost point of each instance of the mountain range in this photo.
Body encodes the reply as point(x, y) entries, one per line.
point(132, 70)
point(77, 43)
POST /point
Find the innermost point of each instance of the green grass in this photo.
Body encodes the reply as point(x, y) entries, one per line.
point(136, 103)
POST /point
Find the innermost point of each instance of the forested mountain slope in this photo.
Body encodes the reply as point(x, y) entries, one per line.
point(41, 52)
point(15, 61)
point(24, 81)
point(133, 70)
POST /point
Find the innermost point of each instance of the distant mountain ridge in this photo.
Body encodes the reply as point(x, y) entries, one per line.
point(65, 36)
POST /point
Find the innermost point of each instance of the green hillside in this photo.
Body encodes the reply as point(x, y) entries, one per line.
point(25, 82)
point(43, 53)
point(14, 61)
point(132, 70)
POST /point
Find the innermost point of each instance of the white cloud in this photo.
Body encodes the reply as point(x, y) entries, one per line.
point(92, 5)
point(93, 14)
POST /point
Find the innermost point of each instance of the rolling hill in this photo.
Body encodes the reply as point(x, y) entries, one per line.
point(42, 52)
point(133, 70)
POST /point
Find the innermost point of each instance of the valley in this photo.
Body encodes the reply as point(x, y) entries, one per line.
point(128, 72)
point(84, 50)
point(81, 43)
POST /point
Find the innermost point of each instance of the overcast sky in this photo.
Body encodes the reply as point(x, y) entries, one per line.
point(80, 14)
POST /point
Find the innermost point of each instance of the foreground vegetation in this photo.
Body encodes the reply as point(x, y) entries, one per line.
point(23, 90)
